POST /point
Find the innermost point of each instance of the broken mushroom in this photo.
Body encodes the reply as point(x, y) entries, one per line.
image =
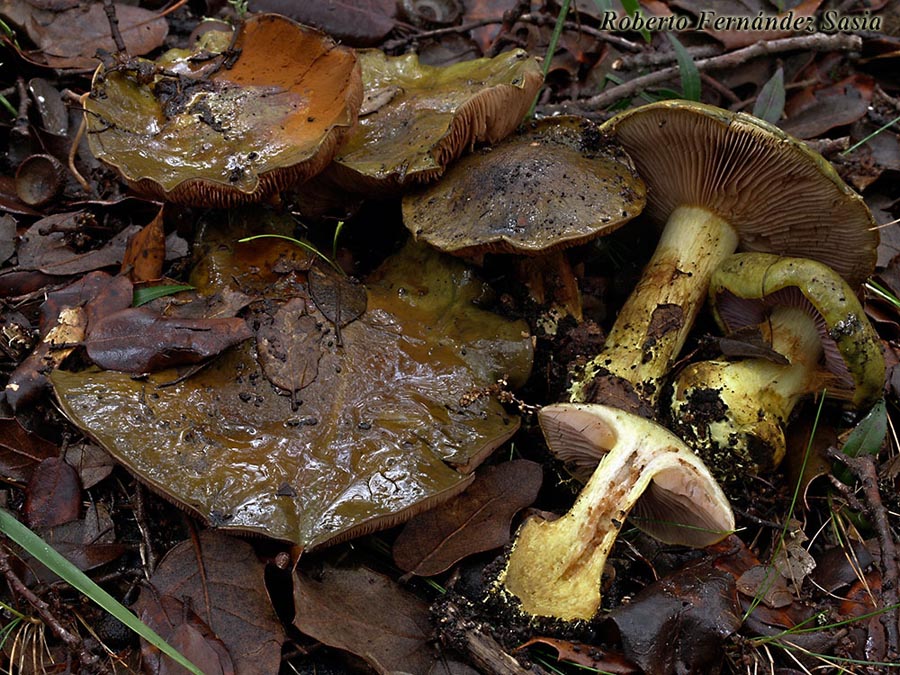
point(719, 181)
point(555, 568)
point(733, 413)
point(226, 124)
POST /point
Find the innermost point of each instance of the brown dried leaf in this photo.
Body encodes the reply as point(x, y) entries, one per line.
point(185, 631)
point(53, 495)
point(21, 451)
point(477, 520)
point(367, 614)
point(71, 38)
point(358, 23)
point(146, 252)
point(289, 349)
point(240, 614)
point(590, 656)
point(137, 340)
point(92, 462)
point(45, 246)
point(815, 110)
point(336, 296)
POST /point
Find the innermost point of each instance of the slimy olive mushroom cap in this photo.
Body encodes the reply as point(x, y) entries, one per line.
point(417, 118)
point(558, 183)
point(733, 413)
point(719, 181)
point(227, 124)
point(555, 568)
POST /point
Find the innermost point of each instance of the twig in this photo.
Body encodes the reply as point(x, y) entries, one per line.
point(438, 32)
point(149, 559)
point(73, 150)
point(110, 10)
point(814, 42)
point(72, 641)
point(510, 17)
point(647, 59)
point(863, 469)
point(605, 36)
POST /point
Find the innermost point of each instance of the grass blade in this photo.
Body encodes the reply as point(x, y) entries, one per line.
point(77, 579)
point(687, 69)
point(769, 104)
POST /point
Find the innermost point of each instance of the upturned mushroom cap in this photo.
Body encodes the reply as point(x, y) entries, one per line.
point(209, 132)
point(555, 568)
point(558, 183)
point(749, 285)
point(780, 196)
point(417, 118)
point(733, 412)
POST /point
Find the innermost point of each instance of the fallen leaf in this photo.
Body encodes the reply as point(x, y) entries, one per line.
point(678, 623)
point(239, 614)
point(358, 23)
point(21, 451)
point(289, 347)
point(180, 626)
point(92, 462)
point(590, 656)
point(815, 110)
point(53, 494)
point(7, 237)
point(70, 38)
point(45, 247)
point(146, 252)
point(743, 36)
point(367, 614)
point(336, 296)
point(477, 520)
point(138, 340)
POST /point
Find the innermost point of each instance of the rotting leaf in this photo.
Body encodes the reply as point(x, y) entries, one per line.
point(336, 296)
point(380, 434)
point(815, 110)
point(590, 656)
point(53, 495)
point(678, 623)
point(179, 625)
point(45, 246)
point(71, 38)
point(138, 340)
point(769, 105)
point(289, 348)
point(367, 614)
point(239, 614)
point(146, 252)
point(358, 23)
point(477, 520)
point(21, 450)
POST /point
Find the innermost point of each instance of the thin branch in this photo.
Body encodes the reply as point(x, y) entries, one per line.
point(863, 469)
point(653, 58)
point(816, 42)
point(110, 10)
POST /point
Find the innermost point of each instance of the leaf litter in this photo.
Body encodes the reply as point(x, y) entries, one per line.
point(292, 330)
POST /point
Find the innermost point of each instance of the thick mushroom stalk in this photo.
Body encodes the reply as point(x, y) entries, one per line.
point(718, 181)
point(555, 568)
point(733, 413)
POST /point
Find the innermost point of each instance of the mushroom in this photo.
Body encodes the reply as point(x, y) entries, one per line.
point(733, 413)
point(226, 124)
point(719, 181)
point(558, 183)
point(555, 567)
point(417, 118)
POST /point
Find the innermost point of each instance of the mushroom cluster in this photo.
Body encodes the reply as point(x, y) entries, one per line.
point(733, 412)
point(241, 117)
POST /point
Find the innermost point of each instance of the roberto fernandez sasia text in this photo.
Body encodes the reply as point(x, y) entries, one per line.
point(830, 21)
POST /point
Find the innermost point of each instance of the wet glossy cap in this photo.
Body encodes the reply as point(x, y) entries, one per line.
point(779, 195)
point(558, 183)
point(230, 124)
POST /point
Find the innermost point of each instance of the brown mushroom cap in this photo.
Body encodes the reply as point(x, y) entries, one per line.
point(212, 133)
point(779, 195)
point(558, 183)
